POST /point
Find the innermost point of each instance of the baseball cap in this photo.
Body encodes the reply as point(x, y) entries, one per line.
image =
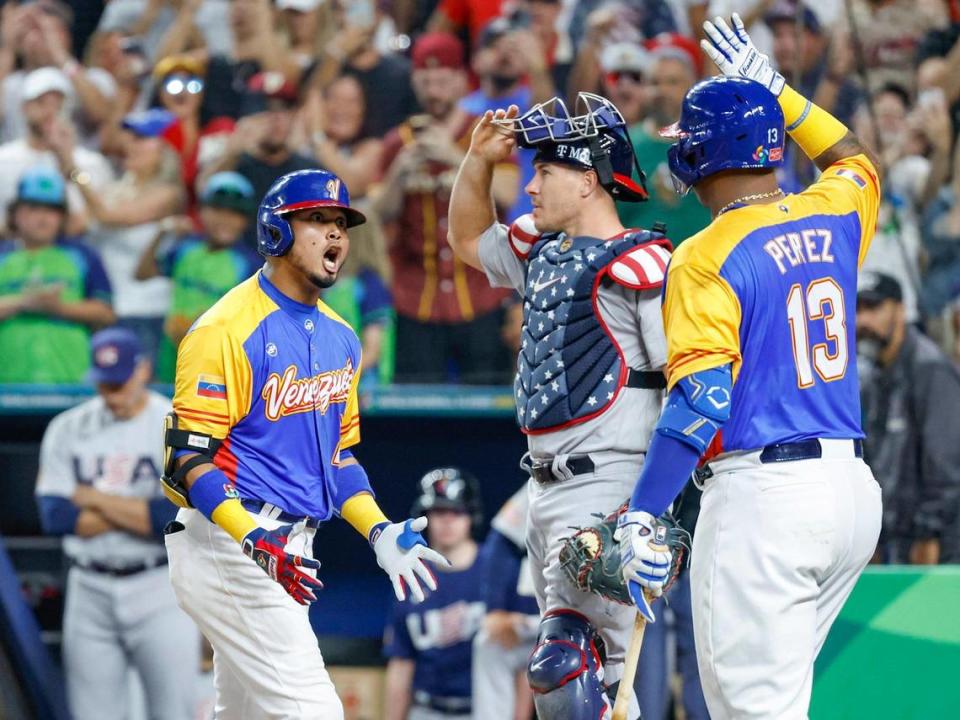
point(437, 49)
point(42, 185)
point(148, 123)
point(786, 11)
point(265, 87)
point(229, 190)
point(624, 57)
point(178, 63)
point(115, 353)
point(875, 287)
point(677, 46)
point(44, 80)
point(299, 5)
point(494, 30)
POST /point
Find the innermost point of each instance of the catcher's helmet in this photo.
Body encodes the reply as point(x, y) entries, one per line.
point(449, 488)
point(299, 191)
point(595, 139)
point(726, 123)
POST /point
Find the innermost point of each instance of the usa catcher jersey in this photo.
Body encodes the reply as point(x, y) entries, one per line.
point(772, 290)
point(633, 320)
point(277, 381)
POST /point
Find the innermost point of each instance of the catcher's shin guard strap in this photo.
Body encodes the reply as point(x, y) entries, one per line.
point(565, 670)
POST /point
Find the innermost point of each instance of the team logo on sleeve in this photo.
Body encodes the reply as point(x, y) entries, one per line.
point(212, 386)
point(287, 395)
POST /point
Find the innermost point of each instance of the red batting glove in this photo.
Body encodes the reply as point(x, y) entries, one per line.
point(266, 549)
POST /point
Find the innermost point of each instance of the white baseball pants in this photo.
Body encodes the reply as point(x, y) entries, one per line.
point(778, 548)
point(267, 663)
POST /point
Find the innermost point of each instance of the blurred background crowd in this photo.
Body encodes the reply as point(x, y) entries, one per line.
point(135, 151)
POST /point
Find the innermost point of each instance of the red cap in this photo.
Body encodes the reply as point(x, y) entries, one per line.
point(273, 85)
point(438, 49)
point(671, 44)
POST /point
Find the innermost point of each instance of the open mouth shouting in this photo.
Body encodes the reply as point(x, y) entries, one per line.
point(333, 258)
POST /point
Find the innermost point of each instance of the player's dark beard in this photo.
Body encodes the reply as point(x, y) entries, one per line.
point(322, 282)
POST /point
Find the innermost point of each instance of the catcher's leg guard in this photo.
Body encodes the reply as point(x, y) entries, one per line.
point(565, 670)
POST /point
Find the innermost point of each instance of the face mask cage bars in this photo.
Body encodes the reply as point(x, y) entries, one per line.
point(551, 121)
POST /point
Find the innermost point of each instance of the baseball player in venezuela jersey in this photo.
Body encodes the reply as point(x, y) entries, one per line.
point(258, 455)
point(589, 384)
point(762, 381)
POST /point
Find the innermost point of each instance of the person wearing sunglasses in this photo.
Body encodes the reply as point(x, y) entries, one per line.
point(180, 85)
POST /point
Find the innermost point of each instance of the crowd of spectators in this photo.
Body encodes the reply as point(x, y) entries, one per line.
point(133, 164)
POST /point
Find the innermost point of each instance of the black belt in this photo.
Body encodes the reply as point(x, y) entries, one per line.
point(125, 571)
point(449, 705)
point(646, 379)
point(256, 506)
point(785, 452)
point(542, 470)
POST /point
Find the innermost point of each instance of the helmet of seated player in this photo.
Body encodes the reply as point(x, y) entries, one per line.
point(300, 190)
point(726, 123)
point(450, 488)
point(593, 138)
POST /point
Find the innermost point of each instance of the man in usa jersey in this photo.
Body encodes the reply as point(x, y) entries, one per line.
point(762, 384)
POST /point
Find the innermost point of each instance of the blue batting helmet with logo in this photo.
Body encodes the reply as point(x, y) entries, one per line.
point(294, 191)
point(726, 123)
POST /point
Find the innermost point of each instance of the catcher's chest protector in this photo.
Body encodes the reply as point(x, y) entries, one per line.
point(570, 368)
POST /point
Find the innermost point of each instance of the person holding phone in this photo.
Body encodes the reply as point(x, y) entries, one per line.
point(446, 312)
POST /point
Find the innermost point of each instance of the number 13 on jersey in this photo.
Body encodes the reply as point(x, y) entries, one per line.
point(821, 300)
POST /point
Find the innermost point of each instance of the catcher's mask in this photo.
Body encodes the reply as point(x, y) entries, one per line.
point(594, 138)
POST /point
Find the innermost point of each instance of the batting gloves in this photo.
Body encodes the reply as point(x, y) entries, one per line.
point(645, 559)
point(266, 549)
point(401, 552)
point(734, 53)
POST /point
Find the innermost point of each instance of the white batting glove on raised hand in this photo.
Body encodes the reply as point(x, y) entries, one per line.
point(645, 558)
point(734, 53)
point(401, 552)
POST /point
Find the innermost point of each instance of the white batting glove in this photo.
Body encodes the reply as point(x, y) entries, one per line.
point(734, 53)
point(401, 552)
point(644, 557)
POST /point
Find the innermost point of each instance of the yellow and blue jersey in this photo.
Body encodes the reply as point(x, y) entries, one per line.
point(771, 290)
point(276, 380)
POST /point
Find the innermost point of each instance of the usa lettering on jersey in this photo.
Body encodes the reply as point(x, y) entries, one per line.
point(286, 395)
point(446, 626)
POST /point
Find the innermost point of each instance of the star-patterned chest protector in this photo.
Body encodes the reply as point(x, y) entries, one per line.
point(570, 368)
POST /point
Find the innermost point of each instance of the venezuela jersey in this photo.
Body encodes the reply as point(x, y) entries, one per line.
point(276, 380)
point(771, 289)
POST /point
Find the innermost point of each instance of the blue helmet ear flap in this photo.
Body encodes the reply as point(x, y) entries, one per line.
point(274, 234)
point(684, 165)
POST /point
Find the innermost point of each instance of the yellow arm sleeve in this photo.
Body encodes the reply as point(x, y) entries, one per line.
point(363, 513)
point(811, 127)
point(231, 516)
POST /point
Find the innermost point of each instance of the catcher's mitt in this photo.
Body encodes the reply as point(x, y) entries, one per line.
point(591, 556)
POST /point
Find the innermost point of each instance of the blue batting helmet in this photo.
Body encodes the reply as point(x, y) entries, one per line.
point(593, 139)
point(294, 191)
point(726, 123)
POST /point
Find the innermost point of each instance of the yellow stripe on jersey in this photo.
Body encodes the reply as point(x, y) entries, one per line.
point(213, 387)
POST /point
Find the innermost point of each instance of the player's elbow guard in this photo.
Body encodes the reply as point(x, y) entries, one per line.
point(697, 407)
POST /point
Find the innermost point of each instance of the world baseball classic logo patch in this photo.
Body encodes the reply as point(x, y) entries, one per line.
point(212, 386)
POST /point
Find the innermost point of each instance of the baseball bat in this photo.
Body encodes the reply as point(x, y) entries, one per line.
point(625, 691)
